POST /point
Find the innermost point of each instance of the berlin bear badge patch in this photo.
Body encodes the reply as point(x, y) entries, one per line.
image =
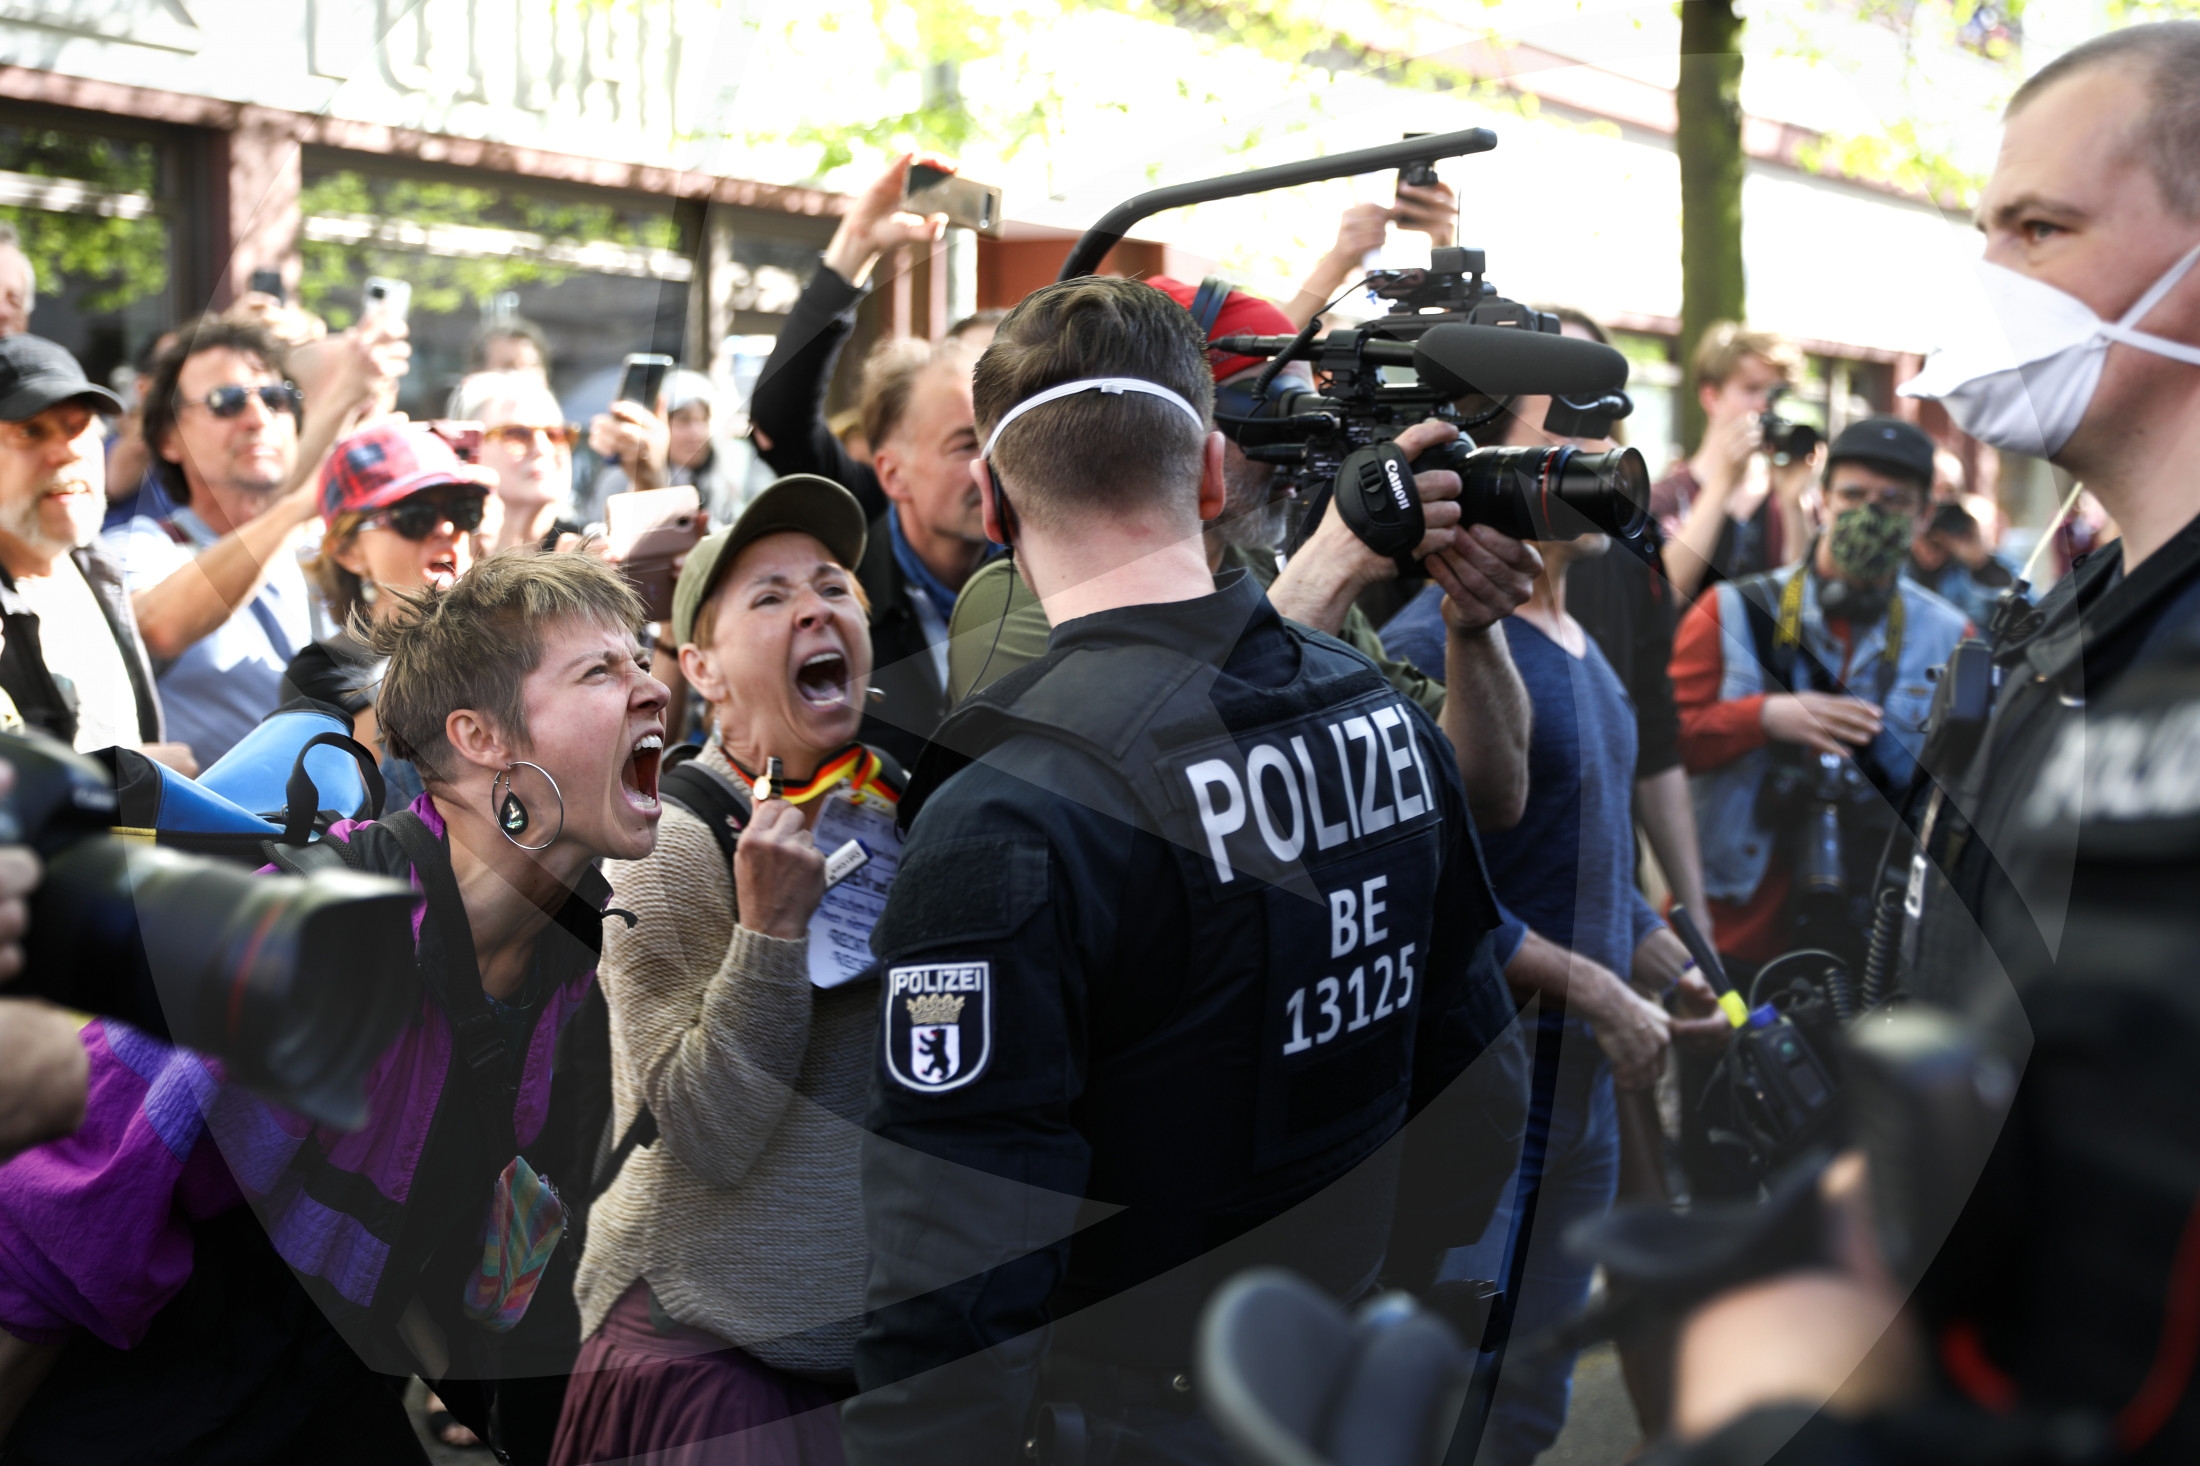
point(939, 1024)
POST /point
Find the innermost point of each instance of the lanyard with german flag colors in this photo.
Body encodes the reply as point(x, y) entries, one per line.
point(855, 765)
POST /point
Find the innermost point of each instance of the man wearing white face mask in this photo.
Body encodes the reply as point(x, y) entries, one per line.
point(2088, 354)
point(2058, 1306)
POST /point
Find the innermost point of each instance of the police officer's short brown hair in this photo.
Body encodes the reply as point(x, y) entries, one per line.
point(1095, 451)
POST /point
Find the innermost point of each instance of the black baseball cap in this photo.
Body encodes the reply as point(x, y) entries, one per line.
point(36, 373)
point(1886, 443)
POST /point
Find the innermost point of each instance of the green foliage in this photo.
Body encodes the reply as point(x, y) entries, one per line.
point(1899, 156)
point(109, 262)
point(2138, 12)
point(922, 35)
point(443, 284)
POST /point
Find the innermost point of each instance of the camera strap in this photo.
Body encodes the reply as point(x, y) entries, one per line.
point(452, 969)
point(1788, 647)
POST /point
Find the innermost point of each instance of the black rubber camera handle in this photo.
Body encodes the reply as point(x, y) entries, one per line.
point(1085, 256)
point(1379, 502)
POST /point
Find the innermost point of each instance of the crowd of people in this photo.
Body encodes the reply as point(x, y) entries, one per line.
point(866, 1009)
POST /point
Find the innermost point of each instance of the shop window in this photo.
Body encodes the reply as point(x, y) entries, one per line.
point(603, 274)
point(88, 210)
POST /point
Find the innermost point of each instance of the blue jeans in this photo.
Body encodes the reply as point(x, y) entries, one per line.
point(1573, 1143)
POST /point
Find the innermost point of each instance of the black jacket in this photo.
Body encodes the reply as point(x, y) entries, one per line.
point(911, 699)
point(788, 405)
point(25, 676)
point(2093, 627)
point(1103, 978)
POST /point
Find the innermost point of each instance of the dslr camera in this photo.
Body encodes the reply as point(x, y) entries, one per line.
point(1453, 349)
point(1786, 440)
point(296, 984)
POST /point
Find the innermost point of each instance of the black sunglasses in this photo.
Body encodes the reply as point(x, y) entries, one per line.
point(418, 517)
point(274, 396)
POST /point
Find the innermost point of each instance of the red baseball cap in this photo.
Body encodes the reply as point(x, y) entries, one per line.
point(1241, 315)
point(376, 467)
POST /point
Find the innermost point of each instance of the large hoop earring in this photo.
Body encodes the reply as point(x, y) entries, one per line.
point(513, 818)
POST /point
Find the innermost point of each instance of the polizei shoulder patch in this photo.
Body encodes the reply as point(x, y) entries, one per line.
point(939, 1024)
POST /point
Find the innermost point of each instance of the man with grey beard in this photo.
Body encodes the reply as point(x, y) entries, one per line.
point(1484, 575)
point(73, 664)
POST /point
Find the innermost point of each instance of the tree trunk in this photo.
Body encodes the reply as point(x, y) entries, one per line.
point(1707, 138)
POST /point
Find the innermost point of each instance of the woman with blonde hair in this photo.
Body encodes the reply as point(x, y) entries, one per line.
point(721, 1290)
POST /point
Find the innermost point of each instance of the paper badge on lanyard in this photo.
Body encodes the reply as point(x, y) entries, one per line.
point(840, 929)
point(939, 1024)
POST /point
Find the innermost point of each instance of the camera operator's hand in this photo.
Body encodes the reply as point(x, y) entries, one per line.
point(1485, 576)
point(876, 223)
point(1795, 495)
point(778, 872)
point(1728, 447)
point(1698, 1021)
point(1430, 208)
point(43, 1074)
point(1824, 722)
point(1334, 565)
point(1633, 1031)
point(638, 439)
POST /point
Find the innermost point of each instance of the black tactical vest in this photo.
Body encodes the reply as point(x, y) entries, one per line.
point(1306, 826)
point(2074, 1264)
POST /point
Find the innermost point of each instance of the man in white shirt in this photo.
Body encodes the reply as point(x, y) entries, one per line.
point(216, 585)
point(73, 663)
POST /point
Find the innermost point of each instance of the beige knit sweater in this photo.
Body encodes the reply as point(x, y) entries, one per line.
point(746, 1215)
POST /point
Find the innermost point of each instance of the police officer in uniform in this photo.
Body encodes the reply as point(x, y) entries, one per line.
point(2092, 224)
point(2055, 909)
point(1184, 966)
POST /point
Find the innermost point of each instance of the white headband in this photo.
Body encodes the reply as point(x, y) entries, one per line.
point(1114, 386)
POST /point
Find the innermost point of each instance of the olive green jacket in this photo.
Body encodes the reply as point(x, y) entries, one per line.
point(985, 645)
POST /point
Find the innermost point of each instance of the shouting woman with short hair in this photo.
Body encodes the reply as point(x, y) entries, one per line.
point(722, 1286)
point(520, 694)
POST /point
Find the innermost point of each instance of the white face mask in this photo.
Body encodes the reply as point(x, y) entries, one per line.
point(2020, 374)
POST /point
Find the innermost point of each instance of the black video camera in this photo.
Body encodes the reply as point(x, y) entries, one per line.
point(1457, 340)
point(295, 983)
point(1777, 1073)
point(1785, 439)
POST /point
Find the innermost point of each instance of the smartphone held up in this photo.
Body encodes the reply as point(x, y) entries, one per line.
point(968, 204)
point(648, 530)
point(643, 379)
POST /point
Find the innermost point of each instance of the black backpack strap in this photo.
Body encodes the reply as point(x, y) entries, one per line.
point(477, 1041)
point(323, 854)
point(302, 798)
point(711, 798)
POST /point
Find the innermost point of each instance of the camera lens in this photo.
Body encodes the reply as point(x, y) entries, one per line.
point(295, 984)
point(1553, 493)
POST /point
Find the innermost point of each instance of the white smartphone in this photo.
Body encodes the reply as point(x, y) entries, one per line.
point(390, 299)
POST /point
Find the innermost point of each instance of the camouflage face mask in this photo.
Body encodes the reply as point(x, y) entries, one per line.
point(1868, 544)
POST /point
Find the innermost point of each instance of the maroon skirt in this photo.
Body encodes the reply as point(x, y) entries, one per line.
point(670, 1395)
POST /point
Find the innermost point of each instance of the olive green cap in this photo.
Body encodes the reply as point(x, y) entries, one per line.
point(803, 503)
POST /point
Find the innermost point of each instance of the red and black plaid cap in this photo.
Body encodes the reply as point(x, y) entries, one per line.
point(377, 466)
